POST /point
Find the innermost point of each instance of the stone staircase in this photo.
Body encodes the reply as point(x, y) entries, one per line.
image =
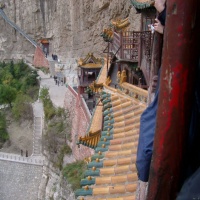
point(3, 15)
point(37, 128)
point(37, 136)
point(111, 174)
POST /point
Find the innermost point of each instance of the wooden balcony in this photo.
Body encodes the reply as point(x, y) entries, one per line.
point(131, 45)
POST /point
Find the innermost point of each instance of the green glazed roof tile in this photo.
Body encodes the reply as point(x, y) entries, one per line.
point(110, 137)
point(106, 118)
point(92, 173)
point(83, 192)
point(105, 101)
point(106, 112)
point(101, 149)
point(106, 133)
point(105, 128)
point(97, 155)
point(142, 5)
point(95, 164)
point(112, 121)
point(87, 181)
point(102, 142)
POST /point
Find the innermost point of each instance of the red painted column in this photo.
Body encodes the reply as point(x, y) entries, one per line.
point(180, 57)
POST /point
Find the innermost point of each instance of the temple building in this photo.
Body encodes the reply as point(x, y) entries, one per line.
point(123, 90)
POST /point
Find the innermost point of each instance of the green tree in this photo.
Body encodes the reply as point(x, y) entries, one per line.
point(11, 68)
point(3, 132)
point(7, 94)
point(2, 64)
point(7, 77)
point(31, 79)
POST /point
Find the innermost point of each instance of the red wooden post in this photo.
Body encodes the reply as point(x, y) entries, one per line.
point(108, 56)
point(121, 52)
point(180, 57)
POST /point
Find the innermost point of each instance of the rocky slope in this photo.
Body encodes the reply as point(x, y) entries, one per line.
point(72, 27)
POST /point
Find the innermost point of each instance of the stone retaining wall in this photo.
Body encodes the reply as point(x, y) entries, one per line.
point(80, 121)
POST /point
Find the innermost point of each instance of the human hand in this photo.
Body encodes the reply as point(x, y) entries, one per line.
point(158, 26)
point(151, 28)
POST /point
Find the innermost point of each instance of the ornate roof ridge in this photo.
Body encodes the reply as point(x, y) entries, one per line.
point(142, 4)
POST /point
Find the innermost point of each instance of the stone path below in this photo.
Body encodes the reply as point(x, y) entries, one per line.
point(57, 93)
point(19, 181)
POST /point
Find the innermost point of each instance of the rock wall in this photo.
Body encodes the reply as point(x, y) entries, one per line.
point(53, 185)
point(72, 27)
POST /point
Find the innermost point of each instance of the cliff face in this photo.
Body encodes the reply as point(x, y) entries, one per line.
point(72, 27)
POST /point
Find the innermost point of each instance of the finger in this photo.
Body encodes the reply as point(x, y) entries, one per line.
point(157, 20)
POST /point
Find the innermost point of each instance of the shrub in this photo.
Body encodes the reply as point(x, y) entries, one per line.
point(49, 109)
point(64, 150)
point(74, 172)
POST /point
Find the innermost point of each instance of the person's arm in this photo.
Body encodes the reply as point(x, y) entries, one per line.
point(158, 26)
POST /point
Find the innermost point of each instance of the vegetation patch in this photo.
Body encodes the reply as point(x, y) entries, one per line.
point(49, 109)
point(74, 172)
point(58, 129)
point(65, 149)
point(45, 70)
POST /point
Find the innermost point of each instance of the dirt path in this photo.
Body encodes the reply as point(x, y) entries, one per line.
point(21, 137)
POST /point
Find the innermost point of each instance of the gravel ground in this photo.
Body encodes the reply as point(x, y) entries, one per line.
point(19, 181)
point(21, 138)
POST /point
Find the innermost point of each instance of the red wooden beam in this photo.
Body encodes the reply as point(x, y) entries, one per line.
point(180, 58)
